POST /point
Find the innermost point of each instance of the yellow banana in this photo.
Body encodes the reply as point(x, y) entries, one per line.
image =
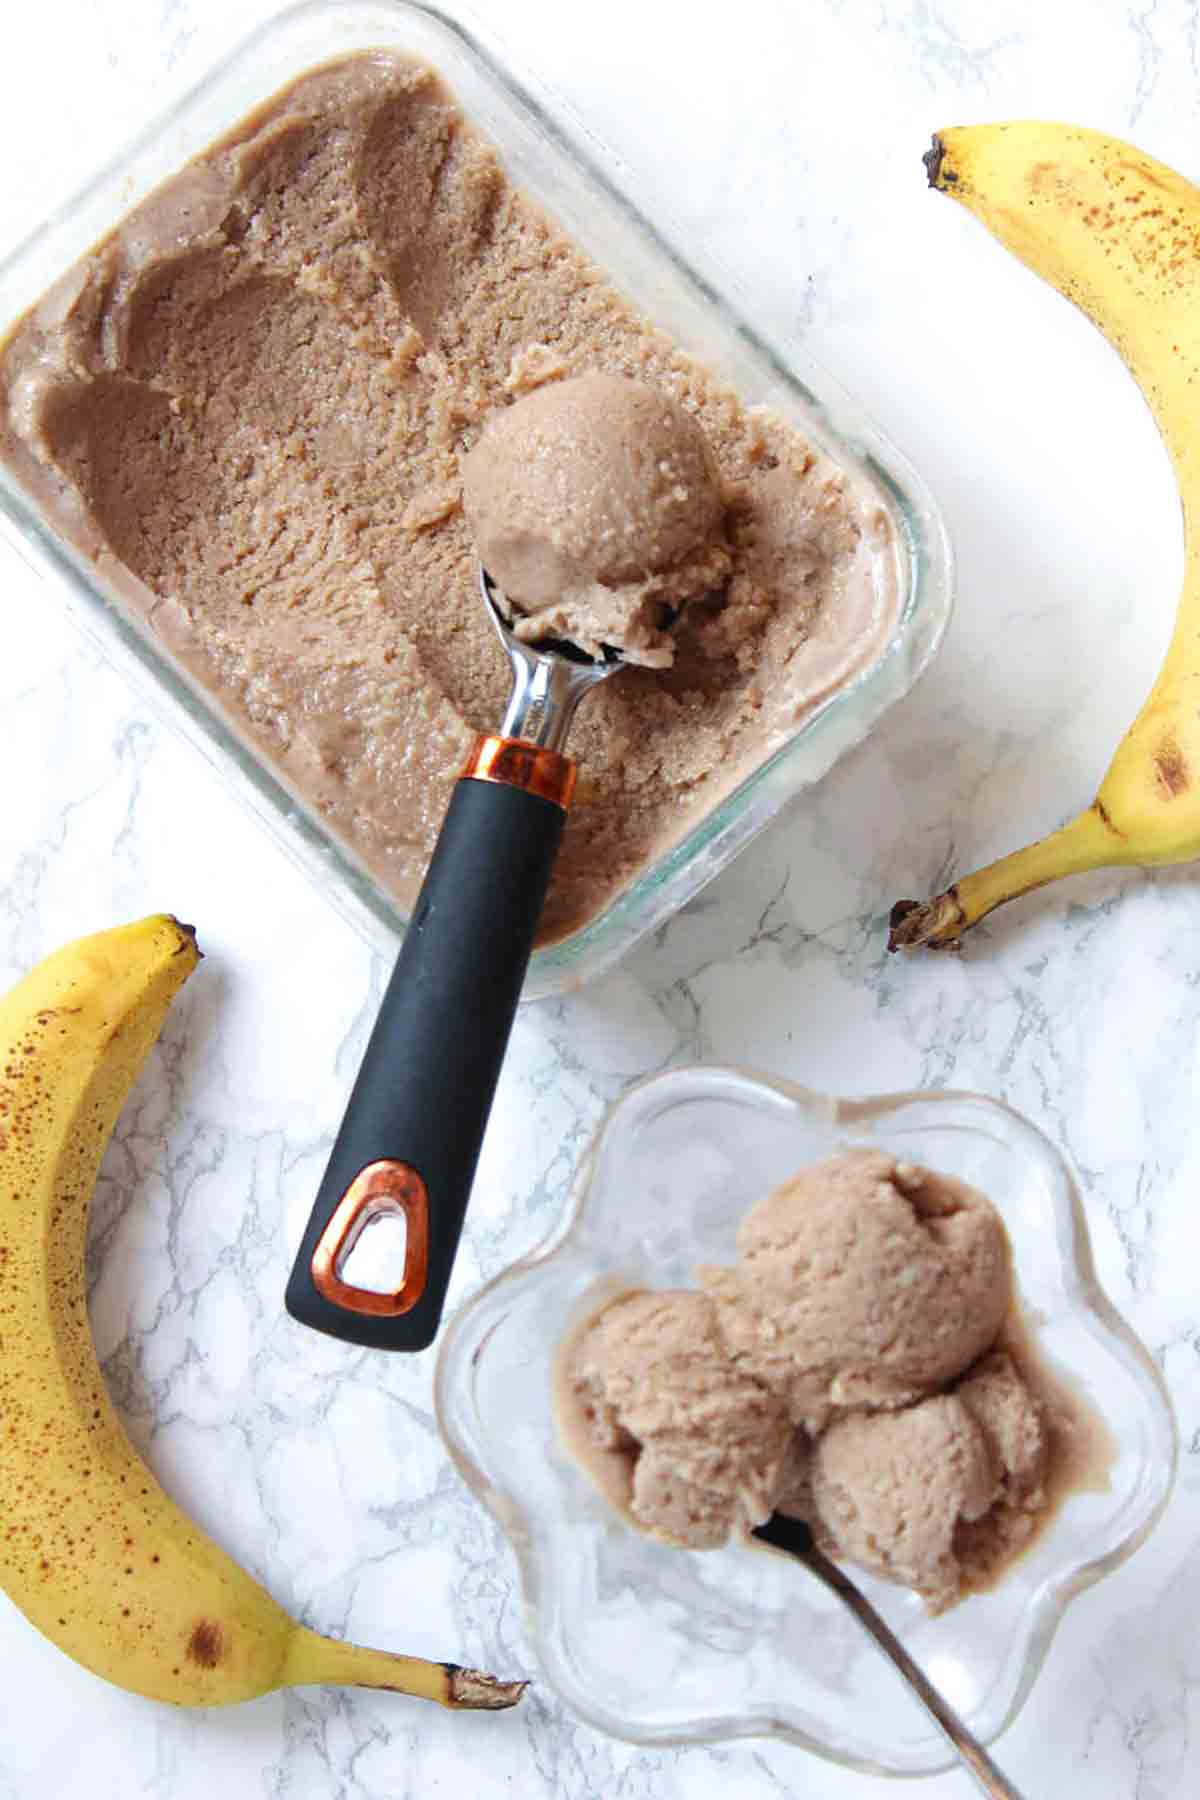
point(91, 1549)
point(1119, 234)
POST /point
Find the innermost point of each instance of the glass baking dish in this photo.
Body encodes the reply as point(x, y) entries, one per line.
point(550, 155)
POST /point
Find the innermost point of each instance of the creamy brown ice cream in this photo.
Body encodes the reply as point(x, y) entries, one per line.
point(939, 1495)
point(1013, 1420)
point(596, 506)
point(860, 1367)
point(863, 1282)
point(250, 404)
point(889, 1490)
point(686, 1443)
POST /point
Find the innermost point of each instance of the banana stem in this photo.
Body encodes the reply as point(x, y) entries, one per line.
point(1089, 841)
point(313, 1660)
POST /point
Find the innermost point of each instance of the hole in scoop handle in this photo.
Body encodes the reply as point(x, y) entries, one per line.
point(412, 1130)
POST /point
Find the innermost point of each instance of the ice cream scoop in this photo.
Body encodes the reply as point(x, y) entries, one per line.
point(598, 500)
point(596, 504)
point(412, 1130)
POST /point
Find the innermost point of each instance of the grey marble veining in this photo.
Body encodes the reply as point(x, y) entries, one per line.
point(785, 143)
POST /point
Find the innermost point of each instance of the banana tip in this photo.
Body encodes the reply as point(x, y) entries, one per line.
point(931, 924)
point(934, 158)
point(189, 932)
point(474, 1688)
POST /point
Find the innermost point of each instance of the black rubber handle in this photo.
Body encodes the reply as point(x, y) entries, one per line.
point(425, 1087)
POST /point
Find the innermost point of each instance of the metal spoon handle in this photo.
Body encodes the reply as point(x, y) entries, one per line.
point(971, 1753)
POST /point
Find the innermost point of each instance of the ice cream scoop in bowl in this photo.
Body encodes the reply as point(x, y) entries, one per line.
point(734, 1642)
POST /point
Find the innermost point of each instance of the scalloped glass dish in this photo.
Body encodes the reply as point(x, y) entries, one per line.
point(555, 159)
point(665, 1646)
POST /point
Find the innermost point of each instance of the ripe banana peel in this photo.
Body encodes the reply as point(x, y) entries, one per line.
point(91, 1549)
point(1119, 234)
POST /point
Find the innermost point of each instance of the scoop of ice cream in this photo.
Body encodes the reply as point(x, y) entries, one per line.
point(595, 504)
point(890, 1491)
point(1013, 1421)
point(938, 1495)
point(863, 1282)
point(704, 1441)
point(1017, 1428)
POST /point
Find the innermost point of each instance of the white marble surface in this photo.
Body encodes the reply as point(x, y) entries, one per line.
point(788, 144)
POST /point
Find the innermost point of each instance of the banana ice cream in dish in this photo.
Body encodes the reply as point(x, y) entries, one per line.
point(861, 1365)
point(261, 403)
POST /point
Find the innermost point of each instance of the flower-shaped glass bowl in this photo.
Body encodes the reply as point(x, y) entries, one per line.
point(665, 1646)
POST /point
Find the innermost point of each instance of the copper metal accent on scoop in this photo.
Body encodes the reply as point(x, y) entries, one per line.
point(515, 763)
point(384, 1188)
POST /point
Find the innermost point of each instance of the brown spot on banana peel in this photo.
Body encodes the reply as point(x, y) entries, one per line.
point(206, 1646)
point(1171, 769)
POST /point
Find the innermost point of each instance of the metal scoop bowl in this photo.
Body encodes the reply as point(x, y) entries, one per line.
point(549, 678)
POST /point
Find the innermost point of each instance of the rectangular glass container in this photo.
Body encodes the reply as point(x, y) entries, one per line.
point(550, 155)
